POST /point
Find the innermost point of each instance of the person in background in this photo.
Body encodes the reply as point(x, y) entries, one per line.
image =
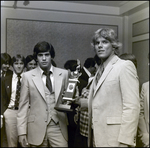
point(87, 71)
point(81, 118)
point(5, 71)
point(113, 103)
point(5, 65)
point(143, 126)
point(129, 56)
point(10, 97)
point(30, 62)
point(73, 67)
point(41, 87)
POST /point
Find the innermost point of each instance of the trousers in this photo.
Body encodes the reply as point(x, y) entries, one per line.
point(11, 127)
point(53, 137)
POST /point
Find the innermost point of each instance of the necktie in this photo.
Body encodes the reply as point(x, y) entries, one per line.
point(18, 91)
point(99, 73)
point(48, 80)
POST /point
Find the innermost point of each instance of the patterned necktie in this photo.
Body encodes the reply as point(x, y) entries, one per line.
point(48, 80)
point(99, 73)
point(18, 91)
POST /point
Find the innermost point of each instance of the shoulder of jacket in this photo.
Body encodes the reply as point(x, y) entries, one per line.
point(61, 69)
point(29, 73)
point(126, 62)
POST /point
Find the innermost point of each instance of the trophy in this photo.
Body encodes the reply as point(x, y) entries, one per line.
point(64, 103)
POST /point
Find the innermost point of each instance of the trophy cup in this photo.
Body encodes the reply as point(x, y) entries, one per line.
point(65, 101)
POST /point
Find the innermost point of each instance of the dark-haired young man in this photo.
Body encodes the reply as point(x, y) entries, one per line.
point(43, 126)
point(5, 64)
point(5, 71)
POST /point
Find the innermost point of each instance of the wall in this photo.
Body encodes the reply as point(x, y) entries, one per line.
point(92, 17)
point(138, 41)
point(69, 30)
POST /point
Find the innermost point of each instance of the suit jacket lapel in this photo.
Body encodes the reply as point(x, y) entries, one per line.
point(36, 77)
point(57, 82)
point(84, 75)
point(8, 83)
point(107, 70)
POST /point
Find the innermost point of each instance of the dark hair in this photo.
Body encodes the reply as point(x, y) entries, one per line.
point(43, 47)
point(89, 62)
point(97, 59)
point(110, 35)
point(5, 58)
point(18, 57)
point(129, 56)
point(29, 58)
point(53, 63)
point(71, 64)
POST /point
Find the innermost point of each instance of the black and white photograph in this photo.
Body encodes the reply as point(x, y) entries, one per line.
point(74, 73)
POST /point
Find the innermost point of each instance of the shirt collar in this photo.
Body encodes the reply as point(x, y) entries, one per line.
point(1, 71)
point(15, 75)
point(51, 69)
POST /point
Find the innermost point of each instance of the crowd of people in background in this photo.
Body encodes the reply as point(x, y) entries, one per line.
point(109, 108)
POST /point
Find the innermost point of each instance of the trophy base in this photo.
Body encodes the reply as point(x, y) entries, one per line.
point(63, 108)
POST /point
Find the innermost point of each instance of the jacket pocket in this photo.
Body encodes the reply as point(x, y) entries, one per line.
point(113, 120)
point(31, 118)
point(113, 129)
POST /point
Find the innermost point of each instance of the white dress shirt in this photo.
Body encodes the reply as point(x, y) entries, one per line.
point(13, 90)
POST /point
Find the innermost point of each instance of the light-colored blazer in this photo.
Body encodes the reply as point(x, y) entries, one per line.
point(144, 112)
point(34, 122)
point(114, 105)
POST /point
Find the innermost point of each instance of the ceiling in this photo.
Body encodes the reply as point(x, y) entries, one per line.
point(102, 3)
